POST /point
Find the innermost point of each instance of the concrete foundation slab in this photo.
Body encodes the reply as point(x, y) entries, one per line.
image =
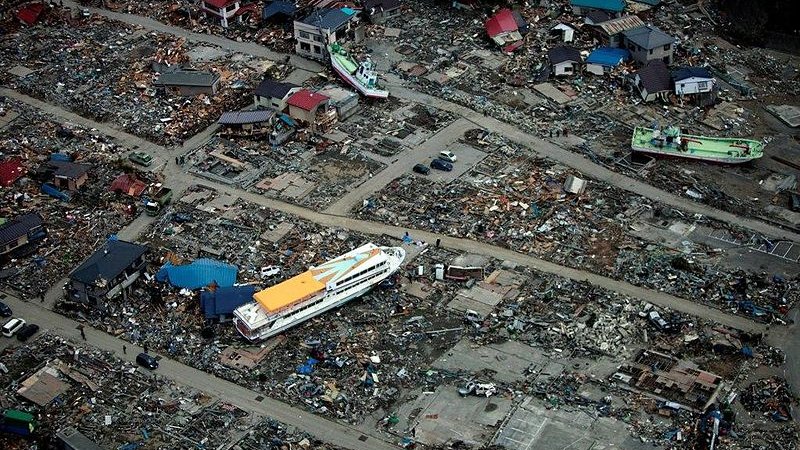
point(507, 361)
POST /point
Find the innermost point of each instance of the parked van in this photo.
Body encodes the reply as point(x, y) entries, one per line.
point(12, 326)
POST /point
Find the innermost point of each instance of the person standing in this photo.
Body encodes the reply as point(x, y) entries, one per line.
point(83, 334)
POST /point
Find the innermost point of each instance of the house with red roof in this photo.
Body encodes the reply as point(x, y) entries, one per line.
point(505, 28)
point(227, 11)
point(311, 108)
point(29, 14)
point(11, 170)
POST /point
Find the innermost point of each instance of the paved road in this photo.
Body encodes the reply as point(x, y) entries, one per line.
point(179, 180)
point(566, 157)
point(541, 146)
point(401, 164)
point(247, 48)
point(323, 429)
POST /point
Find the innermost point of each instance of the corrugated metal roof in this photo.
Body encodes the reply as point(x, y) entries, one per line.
point(502, 22)
point(197, 274)
point(243, 117)
point(620, 24)
point(306, 100)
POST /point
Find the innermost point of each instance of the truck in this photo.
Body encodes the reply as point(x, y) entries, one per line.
point(156, 198)
point(17, 422)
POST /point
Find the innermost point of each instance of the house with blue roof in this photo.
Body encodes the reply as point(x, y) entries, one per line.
point(323, 27)
point(695, 84)
point(219, 304)
point(582, 7)
point(604, 59)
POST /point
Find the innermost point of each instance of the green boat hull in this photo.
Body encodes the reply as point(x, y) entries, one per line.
point(673, 143)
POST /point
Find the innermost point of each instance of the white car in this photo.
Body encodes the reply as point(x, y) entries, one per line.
point(448, 156)
point(12, 326)
point(270, 271)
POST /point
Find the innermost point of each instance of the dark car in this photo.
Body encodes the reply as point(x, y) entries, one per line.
point(441, 165)
point(181, 217)
point(145, 360)
point(5, 311)
point(27, 331)
point(421, 168)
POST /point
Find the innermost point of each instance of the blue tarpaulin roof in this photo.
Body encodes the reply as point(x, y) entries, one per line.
point(198, 274)
point(607, 56)
point(225, 299)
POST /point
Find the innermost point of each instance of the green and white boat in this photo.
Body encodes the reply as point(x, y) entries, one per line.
point(360, 75)
point(672, 142)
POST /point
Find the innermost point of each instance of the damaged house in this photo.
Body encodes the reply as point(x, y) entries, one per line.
point(652, 81)
point(695, 84)
point(21, 233)
point(227, 12)
point(379, 11)
point(273, 94)
point(107, 273)
point(648, 43)
point(324, 27)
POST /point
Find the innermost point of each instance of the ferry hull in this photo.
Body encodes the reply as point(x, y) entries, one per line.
point(332, 300)
point(363, 90)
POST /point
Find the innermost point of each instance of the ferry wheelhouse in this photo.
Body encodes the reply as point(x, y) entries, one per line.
point(317, 290)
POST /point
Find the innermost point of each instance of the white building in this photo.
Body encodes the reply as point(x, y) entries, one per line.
point(693, 80)
point(324, 27)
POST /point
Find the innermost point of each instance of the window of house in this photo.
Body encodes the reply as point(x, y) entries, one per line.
point(317, 49)
point(702, 85)
point(667, 47)
point(651, 51)
point(568, 69)
point(318, 38)
point(304, 35)
point(231, 7)
point(305, 46)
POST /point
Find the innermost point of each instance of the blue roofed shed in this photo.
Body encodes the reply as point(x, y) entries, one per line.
point(221, 303)
point(279, 11)
point(200, 273)
point(605, 58)
point(584, 6)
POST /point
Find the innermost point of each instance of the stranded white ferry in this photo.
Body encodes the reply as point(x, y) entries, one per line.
point(316, 290)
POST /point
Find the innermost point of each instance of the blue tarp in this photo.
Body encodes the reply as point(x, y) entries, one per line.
point(200, 273)
point(308, 367)
point(607, 56)
point(225, 299)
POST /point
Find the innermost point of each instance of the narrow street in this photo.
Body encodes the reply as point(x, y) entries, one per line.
point(251, 401)
point(179, 179)
point(540, 146)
